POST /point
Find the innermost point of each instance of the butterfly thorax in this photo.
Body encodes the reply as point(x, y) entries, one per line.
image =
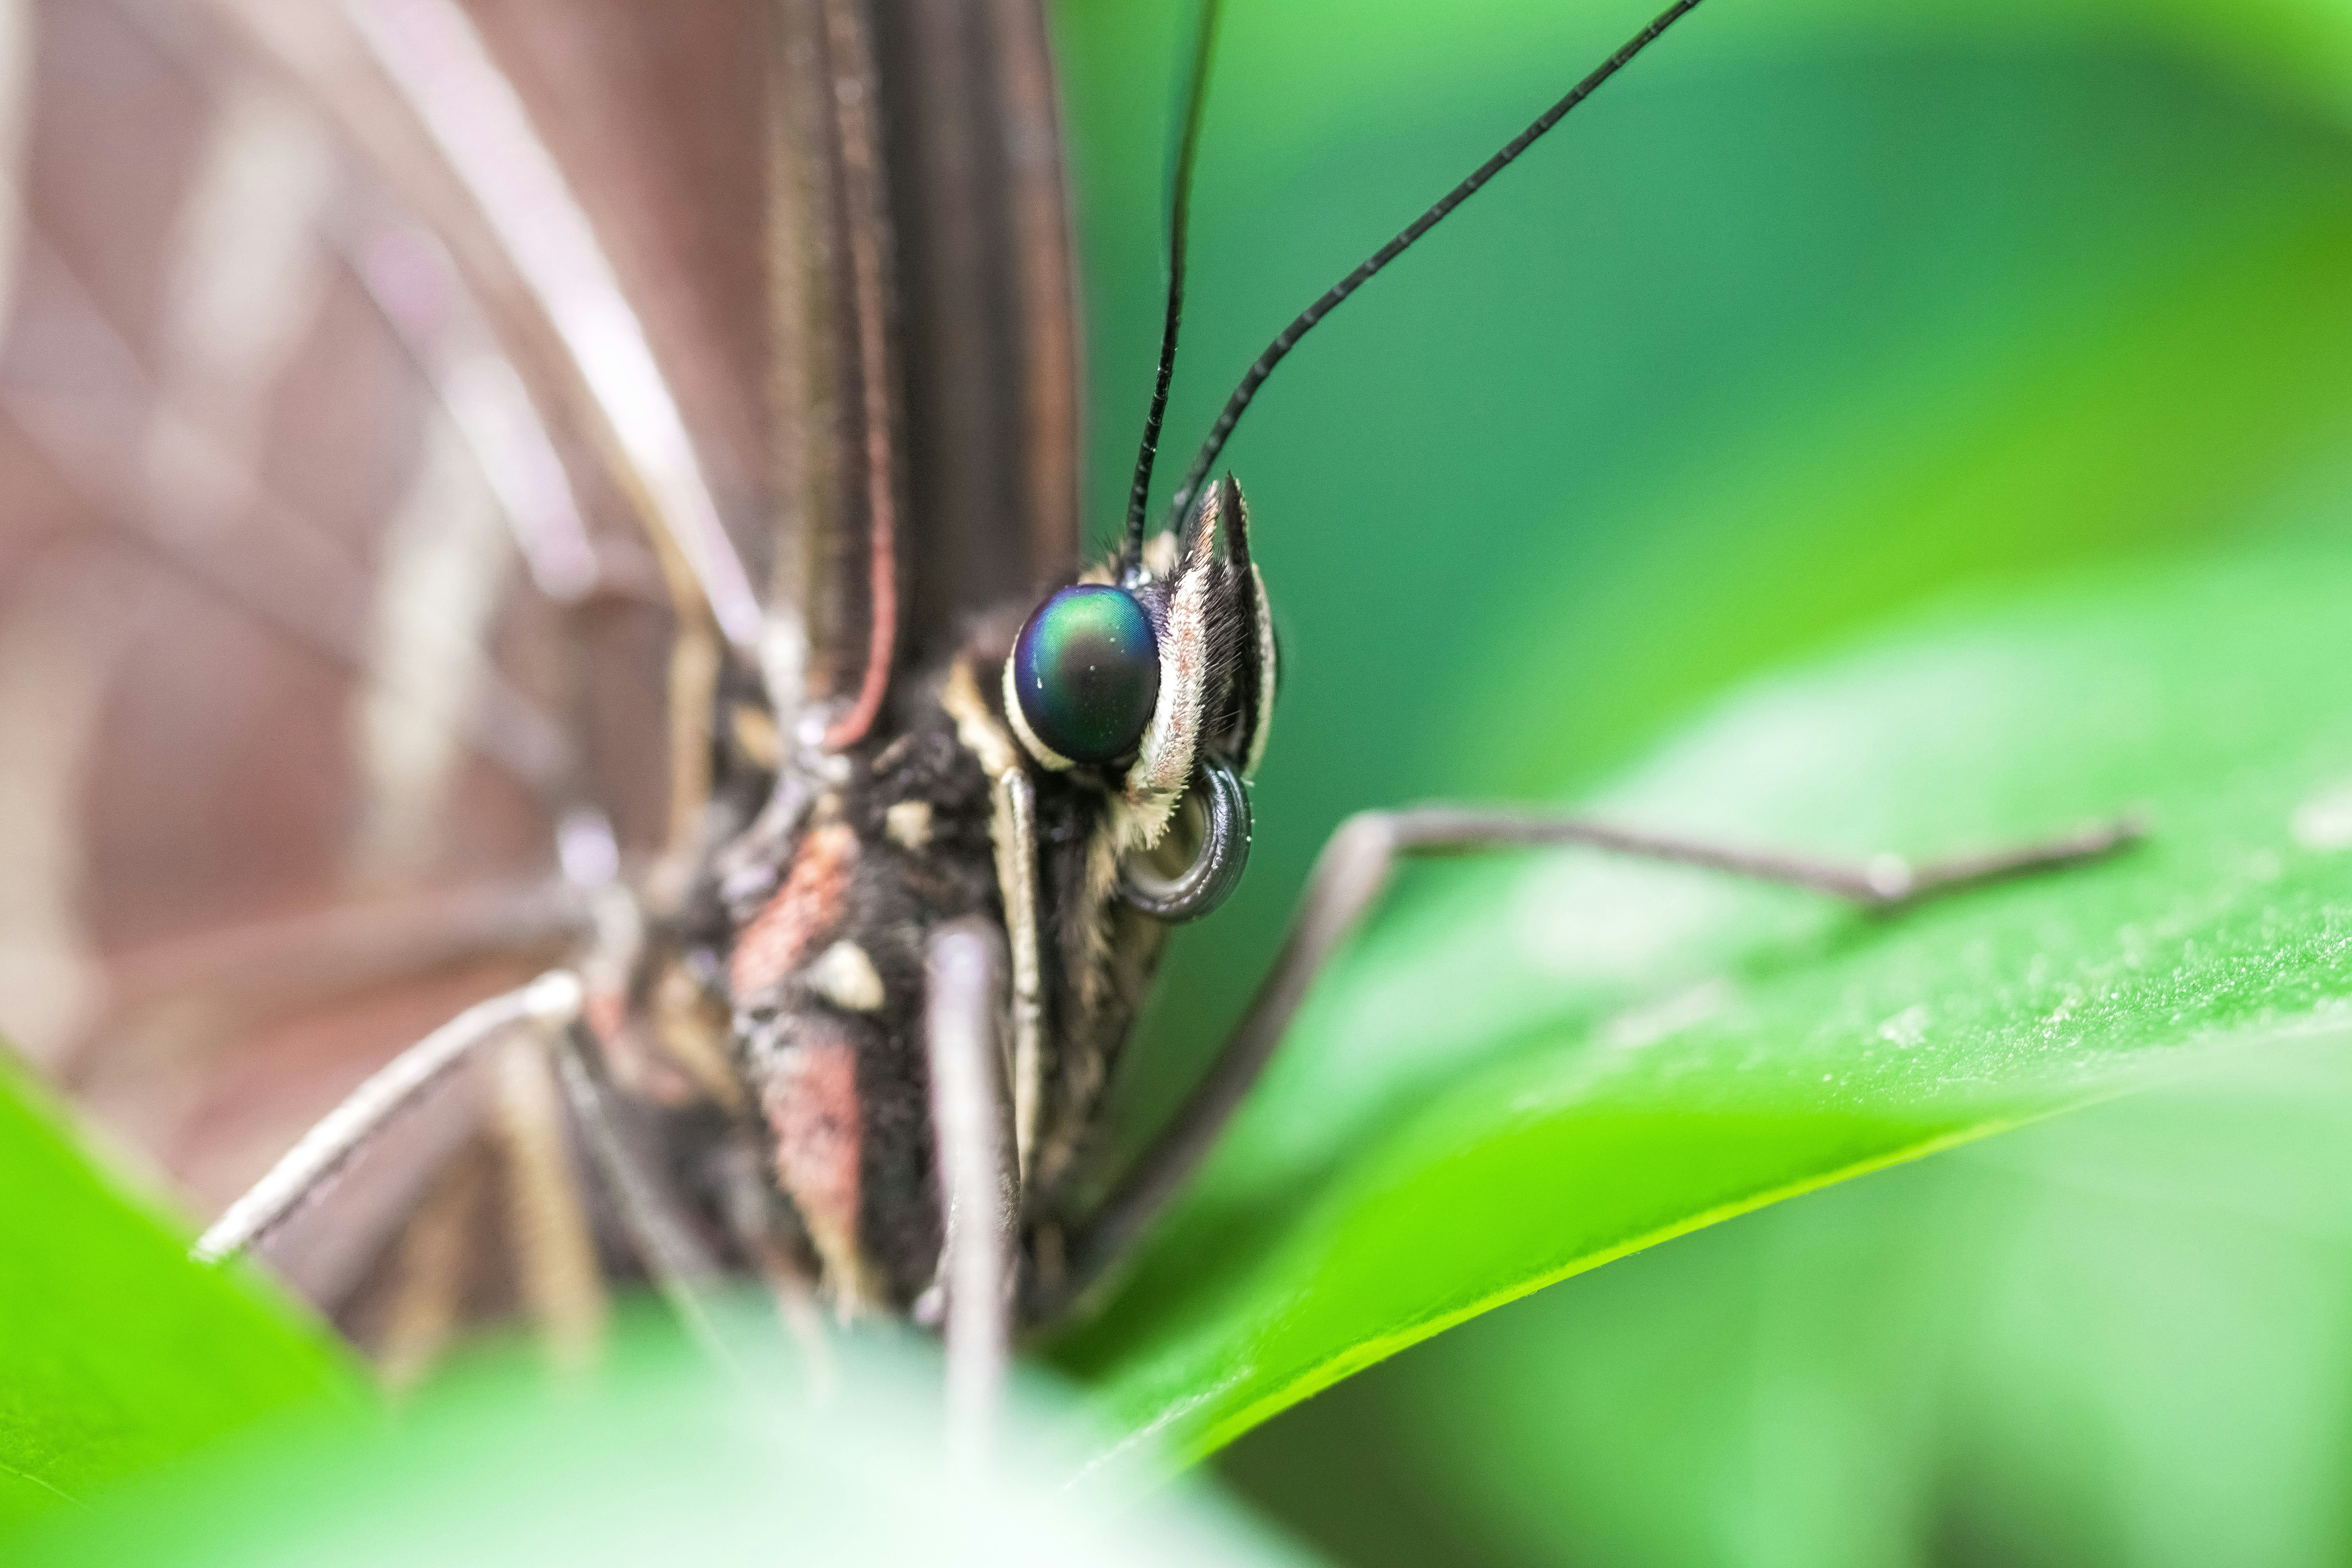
point(969, 804)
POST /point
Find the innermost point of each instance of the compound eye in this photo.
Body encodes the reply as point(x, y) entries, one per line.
point(1086, 671)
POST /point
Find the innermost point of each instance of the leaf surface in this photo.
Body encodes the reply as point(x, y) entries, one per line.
point(1542, 1062)
point(667, 1453)
point(117, 1354)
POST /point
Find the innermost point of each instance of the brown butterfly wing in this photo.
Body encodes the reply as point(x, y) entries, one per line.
point(290, 710)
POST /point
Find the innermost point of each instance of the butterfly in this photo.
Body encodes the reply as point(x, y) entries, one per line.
point(849, 805)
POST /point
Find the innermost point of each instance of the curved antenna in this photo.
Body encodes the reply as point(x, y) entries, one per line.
point(1288, 337)
point(1180, 212)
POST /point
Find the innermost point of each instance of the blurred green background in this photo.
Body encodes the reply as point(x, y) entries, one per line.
point(1820, 311)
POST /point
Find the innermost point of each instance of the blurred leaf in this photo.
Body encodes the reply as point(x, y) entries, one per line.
point(2120, 1338)
point(1537, 1065)
point(117, 1354)
point(667, 1455)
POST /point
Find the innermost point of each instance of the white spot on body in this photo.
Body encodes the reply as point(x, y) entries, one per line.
point(1160, 556)
point(908, 824)
point(846, 977)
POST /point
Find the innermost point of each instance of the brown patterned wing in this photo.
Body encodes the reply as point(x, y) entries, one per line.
point(384, 496)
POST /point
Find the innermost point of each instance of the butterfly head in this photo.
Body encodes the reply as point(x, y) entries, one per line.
point(1153, 680)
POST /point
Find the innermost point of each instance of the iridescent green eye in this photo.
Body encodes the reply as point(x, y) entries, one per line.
point(1086, 672)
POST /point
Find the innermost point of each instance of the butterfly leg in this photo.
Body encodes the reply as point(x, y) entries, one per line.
point(555, 1263)
point(523, 1158)
point(1349, 879)
point(653, 1213)
point(551, 1002)
point(977, 1173)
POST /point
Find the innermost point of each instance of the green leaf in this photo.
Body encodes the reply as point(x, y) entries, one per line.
point(117, 1354)
point(2115, 1337)
point(668, 1454)
point(1539, 1064)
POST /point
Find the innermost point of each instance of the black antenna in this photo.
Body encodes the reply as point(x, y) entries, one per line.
point(1289, 337)
point(1179, 210)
